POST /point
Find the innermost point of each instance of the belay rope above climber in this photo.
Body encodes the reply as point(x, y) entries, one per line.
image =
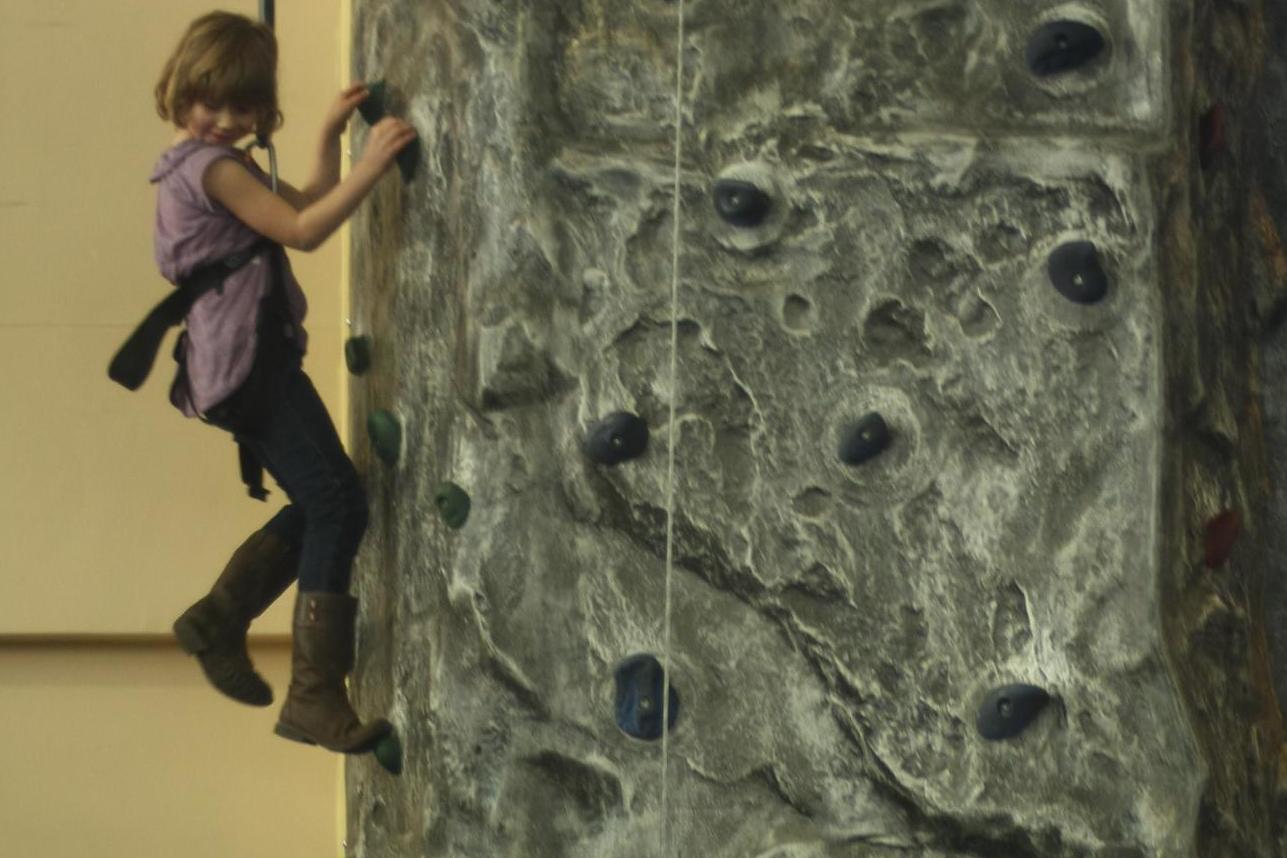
point(670, 426)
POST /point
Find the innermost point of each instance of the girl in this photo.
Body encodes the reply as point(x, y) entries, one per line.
point(240, 365)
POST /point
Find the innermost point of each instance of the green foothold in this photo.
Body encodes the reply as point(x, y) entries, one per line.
point(372, 108)
point(453, 504)
point(357, 354)
point(386, 435)
point(388, 752)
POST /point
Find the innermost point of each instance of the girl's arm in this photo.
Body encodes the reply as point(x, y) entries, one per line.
point(228, 181)
point(231, 184)
point(298, 199)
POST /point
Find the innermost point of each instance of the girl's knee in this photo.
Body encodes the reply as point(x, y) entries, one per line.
point(344, 504)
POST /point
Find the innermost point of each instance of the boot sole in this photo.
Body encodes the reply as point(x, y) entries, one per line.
point(193, 641)
point(294, 735)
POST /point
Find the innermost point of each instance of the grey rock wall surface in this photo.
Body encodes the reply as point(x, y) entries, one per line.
point(1037, 518)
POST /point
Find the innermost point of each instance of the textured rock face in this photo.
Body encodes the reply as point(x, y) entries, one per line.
point(1037, 517)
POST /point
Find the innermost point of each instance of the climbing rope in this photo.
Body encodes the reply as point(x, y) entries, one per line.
point(670, 428)
point(267, 17)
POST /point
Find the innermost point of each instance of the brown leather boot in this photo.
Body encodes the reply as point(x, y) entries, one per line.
point(317, 710)
point(214, 629)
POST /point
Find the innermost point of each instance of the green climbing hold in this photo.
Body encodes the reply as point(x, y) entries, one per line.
point(453, 504)
point(357, 354)
point(375, 108)
point(388, 753)
point(372, 107)
point(386, 435)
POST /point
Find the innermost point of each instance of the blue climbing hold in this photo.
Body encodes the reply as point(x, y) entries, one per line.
point(1007, 711)
point(616, 438)
point(741, 203)
point(1075, 271)
point(863, 440)
point(639, 689)
point(1061, 46)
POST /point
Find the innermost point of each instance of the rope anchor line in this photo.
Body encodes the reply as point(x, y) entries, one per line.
point(670, 428)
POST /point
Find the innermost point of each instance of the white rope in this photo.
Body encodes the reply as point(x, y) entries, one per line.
point(670, 430)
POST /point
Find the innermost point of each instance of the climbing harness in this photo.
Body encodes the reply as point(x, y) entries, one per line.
point(670, 427)
point(133, 361)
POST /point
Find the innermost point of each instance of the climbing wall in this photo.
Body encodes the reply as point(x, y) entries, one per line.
point(966, 540)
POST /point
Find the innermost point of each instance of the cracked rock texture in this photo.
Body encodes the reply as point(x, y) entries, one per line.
point(1039, 514)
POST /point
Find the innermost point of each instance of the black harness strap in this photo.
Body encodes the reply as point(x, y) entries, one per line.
point(133, 361)
point(274, 316)
point(252, 473)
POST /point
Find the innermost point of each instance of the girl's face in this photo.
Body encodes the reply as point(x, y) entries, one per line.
point(218, 123)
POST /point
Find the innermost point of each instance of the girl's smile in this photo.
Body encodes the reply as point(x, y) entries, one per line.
point(218, 124)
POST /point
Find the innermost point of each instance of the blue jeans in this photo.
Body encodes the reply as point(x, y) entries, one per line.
point(297, 444)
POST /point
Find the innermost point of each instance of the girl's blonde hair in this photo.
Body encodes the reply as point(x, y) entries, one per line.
point(223, 58)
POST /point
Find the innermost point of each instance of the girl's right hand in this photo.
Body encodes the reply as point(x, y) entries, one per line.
point(385, 141)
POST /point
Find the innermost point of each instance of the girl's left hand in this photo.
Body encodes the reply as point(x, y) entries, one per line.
point(337, 118)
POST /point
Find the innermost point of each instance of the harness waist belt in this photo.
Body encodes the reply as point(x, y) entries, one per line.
point(133, 362)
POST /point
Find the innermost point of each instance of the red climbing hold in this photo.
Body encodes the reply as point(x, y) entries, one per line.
point(1211, 139)
point(1222, 533)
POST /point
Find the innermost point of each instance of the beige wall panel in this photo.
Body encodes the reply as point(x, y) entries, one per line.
point(116, 514)
point(125, 752)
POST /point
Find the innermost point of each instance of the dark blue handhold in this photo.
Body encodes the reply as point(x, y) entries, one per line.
point(1062, 45)
point(864, 439)
point(617, 437)
point(1075, 271)
point(639, 689)
point(741, 203)
point(1008, 710)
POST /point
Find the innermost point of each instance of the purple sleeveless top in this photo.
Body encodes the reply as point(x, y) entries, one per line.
point(191, 230)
